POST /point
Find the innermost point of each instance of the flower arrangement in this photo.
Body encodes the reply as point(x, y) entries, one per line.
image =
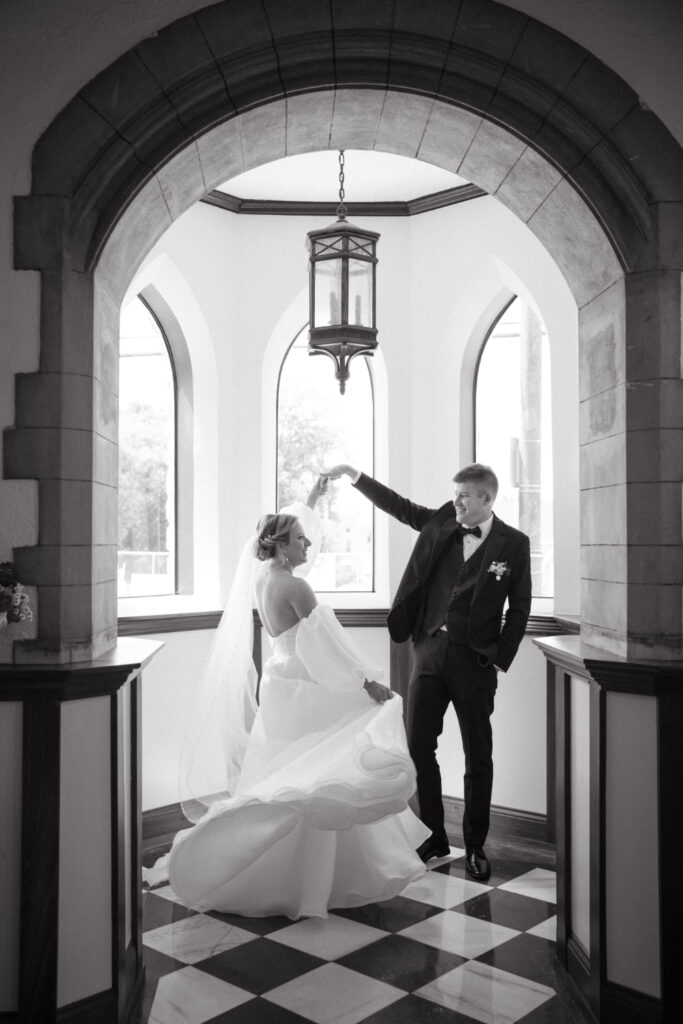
point(500, 569)
point(14, 606)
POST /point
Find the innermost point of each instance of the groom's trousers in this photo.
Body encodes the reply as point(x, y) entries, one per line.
point(446, 673)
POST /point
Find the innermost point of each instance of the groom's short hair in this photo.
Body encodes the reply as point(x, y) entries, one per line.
point(480, 475)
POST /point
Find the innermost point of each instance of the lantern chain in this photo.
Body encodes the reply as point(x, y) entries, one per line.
point(341, 209)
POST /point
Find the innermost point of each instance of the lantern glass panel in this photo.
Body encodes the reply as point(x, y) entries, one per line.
point(328, 293)
point(360, 293)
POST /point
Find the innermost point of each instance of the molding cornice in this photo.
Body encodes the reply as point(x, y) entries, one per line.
point(610, 671)
point(292, 208)
point(140, 625)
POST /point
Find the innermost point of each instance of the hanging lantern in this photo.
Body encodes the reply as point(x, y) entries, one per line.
point(342, 265)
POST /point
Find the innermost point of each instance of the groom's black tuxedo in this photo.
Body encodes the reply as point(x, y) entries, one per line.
point(487, 633)
point(456, 665)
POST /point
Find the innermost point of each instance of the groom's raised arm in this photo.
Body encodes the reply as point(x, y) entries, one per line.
point(388, 501)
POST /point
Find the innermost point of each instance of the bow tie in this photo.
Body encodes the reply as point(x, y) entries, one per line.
point(468, 531)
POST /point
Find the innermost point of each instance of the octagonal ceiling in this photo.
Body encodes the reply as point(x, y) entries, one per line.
point(370, 177)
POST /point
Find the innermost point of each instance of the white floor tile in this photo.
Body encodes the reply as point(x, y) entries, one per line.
point(443, 890)
point(190, 996)
point(458, 933)
point(545, 930)
point(332, 994)
point(196, 938)
point(486, 993)
point(540, 884)
point(329, 938)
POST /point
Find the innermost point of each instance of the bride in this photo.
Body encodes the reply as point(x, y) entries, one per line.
point(307, 806)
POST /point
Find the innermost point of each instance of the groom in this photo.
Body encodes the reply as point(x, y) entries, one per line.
point(465, 566)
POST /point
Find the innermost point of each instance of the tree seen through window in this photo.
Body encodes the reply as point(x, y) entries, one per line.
point(146, 562)
point(317, 426)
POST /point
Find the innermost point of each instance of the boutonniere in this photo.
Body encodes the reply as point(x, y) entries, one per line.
point(14, 605)
point(500, 569)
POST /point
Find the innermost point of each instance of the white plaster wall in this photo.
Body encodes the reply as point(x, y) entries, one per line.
point(438, 272)
point(631, 840)
point(519, 738)
point(84, 964)
point(168, 685)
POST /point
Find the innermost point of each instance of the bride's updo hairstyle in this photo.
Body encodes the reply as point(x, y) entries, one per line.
point(271, 531)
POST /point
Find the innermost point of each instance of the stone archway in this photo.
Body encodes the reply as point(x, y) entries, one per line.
point(479, 89)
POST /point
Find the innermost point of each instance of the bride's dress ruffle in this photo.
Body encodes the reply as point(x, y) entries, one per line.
point(319, 818)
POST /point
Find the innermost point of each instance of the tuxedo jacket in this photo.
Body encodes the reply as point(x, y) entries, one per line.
point(504, 576)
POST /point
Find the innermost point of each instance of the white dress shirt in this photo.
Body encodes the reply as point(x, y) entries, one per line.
point(470, 543)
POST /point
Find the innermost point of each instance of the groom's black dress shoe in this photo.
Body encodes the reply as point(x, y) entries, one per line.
point(435, 846)
point(476, 864)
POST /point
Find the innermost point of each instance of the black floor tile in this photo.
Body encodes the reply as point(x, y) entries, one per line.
point(258, 1011)
point(157, 964)
point(508, 909)
point(391, 915)
point(157, 911)
point(554, 1011)
point(414, 1010)
point(529, 956)
point(257, 925)
point(502, 870)
point(259, 966)
point(402, 962)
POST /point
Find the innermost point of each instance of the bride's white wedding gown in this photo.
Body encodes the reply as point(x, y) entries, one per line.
point(319, 818)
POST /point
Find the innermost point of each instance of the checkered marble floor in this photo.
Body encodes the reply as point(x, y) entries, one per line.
point(447, 950)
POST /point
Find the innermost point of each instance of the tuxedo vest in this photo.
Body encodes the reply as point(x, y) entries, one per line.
point(451, 588)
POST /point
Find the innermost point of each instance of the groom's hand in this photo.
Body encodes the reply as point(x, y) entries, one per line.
point(377, 691)
point(334, 472)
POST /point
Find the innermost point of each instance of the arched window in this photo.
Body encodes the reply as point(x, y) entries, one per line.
point(513, 431)
point(317, 427)
point(147, 455)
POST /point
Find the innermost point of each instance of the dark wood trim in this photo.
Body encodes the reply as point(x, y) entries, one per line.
point(76, 680)
point(135, 852)
point(578, 971)
point(141, 625)
point(562, 797)
point(296, 208)
point(39, 862)
point(505, 821)
point(41, 689)
point(178, 622)
point(598, 915)
point(97, 1009)
point(625, 1006)
point(663, 682)
point(166, 821)
point(118, 846)
point(670, 785)
point(160, 821)
point(550, 766)
point(362, 616)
